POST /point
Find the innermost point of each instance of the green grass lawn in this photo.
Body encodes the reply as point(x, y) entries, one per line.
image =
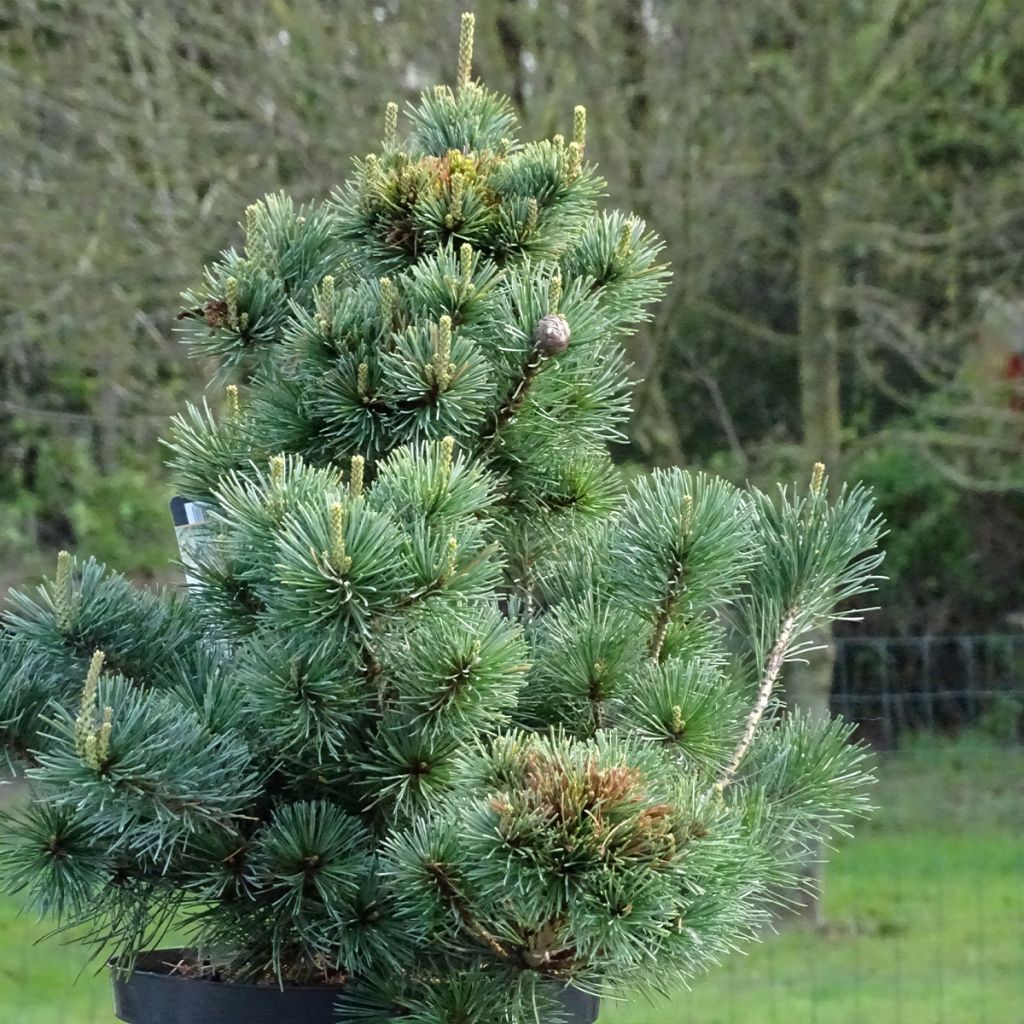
point(925, 915)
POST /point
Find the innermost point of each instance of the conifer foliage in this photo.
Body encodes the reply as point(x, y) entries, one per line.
point(446, 711)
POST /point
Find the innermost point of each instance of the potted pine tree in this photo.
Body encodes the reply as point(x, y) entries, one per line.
point(448, 724)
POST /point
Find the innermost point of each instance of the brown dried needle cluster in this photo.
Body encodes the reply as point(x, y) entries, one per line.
point(603, 811)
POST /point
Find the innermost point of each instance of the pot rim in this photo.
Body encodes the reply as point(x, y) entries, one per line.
point(145, 964)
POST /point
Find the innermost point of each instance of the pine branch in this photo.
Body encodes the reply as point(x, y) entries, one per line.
point(517, 394)
point(673, 592)
point(772, 670)
point(450, 892)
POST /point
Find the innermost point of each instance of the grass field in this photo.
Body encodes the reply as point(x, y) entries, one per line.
point(925, 918)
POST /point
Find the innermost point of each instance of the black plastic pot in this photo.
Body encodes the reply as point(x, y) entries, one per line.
point(151, 994)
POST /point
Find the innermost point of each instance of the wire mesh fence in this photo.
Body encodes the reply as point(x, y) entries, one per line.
point(922, 914)
point(892, 686)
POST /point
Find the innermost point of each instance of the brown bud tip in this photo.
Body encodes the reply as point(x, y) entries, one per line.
point(215, 312)
point(551, 335)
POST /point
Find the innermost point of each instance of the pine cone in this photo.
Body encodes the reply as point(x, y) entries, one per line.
point(551, 335)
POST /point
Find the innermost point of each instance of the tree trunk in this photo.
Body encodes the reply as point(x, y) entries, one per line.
point(511, 40)
point(654, 430)
point(819, 329)
point(808, 684)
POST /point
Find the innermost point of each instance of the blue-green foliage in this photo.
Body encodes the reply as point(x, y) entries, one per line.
point(445, 709)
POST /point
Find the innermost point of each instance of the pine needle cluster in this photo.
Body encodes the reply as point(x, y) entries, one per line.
point(447, 710)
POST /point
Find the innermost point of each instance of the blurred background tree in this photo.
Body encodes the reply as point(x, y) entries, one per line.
point(838, 184)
